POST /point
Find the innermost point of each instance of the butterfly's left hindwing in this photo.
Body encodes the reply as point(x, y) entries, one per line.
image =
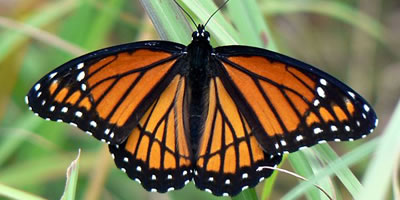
point(290, 104)
point(157, 153)
point(106, 92)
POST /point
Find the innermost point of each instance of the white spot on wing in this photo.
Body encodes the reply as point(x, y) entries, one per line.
point(316, 102)
point(321, 92)
point(351, 94)
point(26, 100)
point(80, 66)
point(83, 87)
point(80, 76)
point(317, 130)
point(126, 159)
point(302, 148)
point(37, 86)
point(64, 109)
point(52, 75)
point(78, 114)
point(323, 81)
point(299, 138)
point(138, 168)
point(333, 128)
point(89, 133)
point(347, 128)
point(93, 123)
point(366, 107)
point(52, 108)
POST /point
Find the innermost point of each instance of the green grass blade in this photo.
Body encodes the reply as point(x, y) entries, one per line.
point(12, 193)
point(101, 25)
point(249, 21)
point(168, 20)
point(249, 194)
point(72, 179)
point(334, 9)
point(299, 162)
point(380, 170)
point(345, 175)
point(48, 14)
point(43, 169)
point(348, 159)
point(10, 143)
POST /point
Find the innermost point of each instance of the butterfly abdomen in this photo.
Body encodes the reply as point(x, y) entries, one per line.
point(198, 56)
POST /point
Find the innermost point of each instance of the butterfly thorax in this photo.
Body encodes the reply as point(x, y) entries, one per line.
point(198, 55)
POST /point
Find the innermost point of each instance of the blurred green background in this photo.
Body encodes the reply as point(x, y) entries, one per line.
point(356, 41)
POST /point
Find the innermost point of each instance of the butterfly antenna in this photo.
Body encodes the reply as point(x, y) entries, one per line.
point(215, 12)
point(195, 25)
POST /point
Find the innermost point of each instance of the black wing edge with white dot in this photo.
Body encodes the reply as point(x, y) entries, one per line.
point(62, 96)
point(220, 184)
point(358, 124)
point(153, 180)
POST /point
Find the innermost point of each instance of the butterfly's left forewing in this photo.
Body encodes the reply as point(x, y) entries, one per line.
point(291, 104)
point(106, 92)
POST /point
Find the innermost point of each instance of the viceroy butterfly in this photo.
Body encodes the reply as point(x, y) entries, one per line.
point(172, 113)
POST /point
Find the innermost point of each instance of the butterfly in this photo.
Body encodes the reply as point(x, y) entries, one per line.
point(172, 113)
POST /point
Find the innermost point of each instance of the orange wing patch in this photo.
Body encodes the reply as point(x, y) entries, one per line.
point(160, 119)
point(225, 128)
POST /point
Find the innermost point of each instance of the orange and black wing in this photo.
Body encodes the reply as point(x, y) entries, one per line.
point(290, 104)
point(157, 152)
point(106, 92)
point(228, 158)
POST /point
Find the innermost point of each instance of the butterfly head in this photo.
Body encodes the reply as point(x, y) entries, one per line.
point(201, 34)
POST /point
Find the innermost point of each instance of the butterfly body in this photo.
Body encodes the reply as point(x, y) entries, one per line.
point(172, 113)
